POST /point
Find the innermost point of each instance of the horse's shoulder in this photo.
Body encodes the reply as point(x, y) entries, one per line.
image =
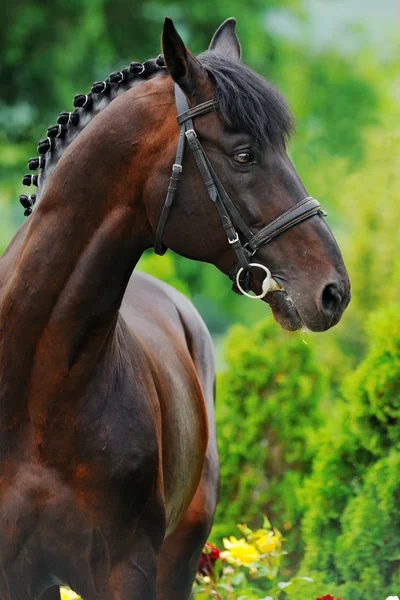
point(165, 319)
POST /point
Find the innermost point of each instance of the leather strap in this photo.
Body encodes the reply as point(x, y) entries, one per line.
point(200, 109)
point(234, 212)
point(159, 247)
point(229, 213)
point(186, 122)
point(306, 208)
point(203, 165)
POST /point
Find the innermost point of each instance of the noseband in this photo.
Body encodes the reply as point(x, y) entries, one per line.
point(230, 217)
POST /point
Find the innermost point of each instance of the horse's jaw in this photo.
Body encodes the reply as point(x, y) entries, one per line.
point(284, 311)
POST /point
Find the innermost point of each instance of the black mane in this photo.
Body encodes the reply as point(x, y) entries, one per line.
point(70, 124)
point(247, 101)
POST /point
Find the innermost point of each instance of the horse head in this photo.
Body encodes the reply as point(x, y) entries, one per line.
point(243, 138)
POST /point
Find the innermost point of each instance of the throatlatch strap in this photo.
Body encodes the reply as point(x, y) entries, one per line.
point(159, 247)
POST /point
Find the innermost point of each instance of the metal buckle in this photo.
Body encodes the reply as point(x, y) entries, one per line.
point(235, 239)
point(191, 131)
point(177, 166)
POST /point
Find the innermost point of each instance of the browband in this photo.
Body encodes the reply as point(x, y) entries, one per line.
point(200, 109)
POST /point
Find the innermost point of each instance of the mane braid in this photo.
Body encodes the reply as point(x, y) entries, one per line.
point(248, 102)
point(70, 124)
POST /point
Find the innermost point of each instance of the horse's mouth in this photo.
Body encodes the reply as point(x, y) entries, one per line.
point(284, 311)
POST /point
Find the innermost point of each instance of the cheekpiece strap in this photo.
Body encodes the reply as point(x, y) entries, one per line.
point(185, 116)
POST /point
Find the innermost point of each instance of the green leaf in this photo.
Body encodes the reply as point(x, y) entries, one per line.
point(284, 584)
point(266, 523)
point(238, 579)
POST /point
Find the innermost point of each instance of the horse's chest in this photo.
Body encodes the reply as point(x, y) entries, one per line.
point(45, 519)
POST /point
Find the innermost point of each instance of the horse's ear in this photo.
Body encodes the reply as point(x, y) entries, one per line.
point(225, 42)
point(182, 65)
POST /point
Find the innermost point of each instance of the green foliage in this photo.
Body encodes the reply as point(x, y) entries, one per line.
point(163, 269)
point(373, 391)
point(251, 567)
point(367, 551)
point(332, 121)
point(369, 199)
point(351, 525)
point(369, 236)
point(276, 414)
point(266, 414)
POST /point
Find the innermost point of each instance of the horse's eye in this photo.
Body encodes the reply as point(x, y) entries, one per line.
point(243, 158)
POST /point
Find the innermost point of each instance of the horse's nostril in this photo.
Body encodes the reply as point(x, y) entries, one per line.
point(331, 299)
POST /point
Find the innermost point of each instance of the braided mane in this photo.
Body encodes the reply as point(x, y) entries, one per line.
point(70, 124)
point(247, 102)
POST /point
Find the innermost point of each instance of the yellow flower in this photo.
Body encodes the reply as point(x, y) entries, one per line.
point(267, 542)
point(239, 552)
point(67, 594)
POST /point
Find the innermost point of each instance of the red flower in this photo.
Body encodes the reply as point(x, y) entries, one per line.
point(328, 597)
point(208, 558)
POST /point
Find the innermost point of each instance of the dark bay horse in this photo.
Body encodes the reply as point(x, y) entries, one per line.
point(108, 454)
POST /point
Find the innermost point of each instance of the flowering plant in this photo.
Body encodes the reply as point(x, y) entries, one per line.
point(248, 568)
point(67, 594)
point(209, 556)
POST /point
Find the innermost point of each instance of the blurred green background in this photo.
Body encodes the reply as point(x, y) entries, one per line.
point(305, 421)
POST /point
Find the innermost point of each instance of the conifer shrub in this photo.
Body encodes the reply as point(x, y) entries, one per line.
point(351, 525)
point(267, 415)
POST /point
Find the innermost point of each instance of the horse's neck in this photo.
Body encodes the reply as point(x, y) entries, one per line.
point(68, 270)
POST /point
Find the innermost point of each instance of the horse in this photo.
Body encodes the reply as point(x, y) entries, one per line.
point(108, 452)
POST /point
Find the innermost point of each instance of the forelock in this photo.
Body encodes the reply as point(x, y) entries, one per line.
point(248, 102)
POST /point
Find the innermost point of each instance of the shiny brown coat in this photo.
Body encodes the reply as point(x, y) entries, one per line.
point(108, 454)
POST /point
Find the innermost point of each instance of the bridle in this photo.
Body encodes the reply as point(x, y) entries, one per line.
point(231, 219)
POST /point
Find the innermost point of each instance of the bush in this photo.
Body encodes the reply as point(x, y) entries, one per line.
point(368, 201)
point(266, 415)
point(351, 525)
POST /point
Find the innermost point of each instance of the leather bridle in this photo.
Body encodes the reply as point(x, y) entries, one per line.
point(231, 220)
